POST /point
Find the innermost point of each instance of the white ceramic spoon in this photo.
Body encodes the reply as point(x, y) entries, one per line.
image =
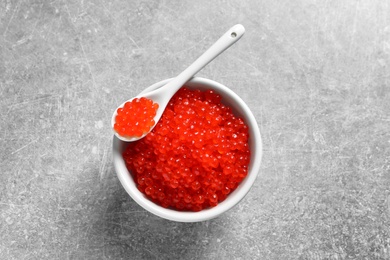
point(162, 95)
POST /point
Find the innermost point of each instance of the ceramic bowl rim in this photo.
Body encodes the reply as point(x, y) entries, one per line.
point(234, 198)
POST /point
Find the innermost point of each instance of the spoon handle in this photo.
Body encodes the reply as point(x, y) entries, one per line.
point(226, 40)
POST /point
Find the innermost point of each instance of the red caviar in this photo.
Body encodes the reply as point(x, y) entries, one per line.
point(136, 117)
point(196, 155)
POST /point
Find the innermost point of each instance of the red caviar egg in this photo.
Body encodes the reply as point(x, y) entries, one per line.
point(196, 156)
point(136, 117)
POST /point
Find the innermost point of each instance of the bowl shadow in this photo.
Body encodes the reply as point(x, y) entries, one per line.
point(129, 230)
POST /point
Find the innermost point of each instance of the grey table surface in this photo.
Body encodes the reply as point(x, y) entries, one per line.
point(316, 75)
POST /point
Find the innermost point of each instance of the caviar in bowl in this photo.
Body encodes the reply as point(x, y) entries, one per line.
point(240, 110)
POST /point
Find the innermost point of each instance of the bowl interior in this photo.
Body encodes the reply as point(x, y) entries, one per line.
point(240, 109)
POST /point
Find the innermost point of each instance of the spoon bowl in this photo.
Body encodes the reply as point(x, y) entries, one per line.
point(162, 95)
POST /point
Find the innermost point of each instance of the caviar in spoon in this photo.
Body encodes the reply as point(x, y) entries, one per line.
point(136, 117)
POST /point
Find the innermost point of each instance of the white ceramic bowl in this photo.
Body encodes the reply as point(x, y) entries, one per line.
point(239, 109)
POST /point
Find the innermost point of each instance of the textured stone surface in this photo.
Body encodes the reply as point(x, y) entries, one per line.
point(315, 73)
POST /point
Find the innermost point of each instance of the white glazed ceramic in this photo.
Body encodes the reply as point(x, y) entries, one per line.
point(240, 109)
point(162, 95)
